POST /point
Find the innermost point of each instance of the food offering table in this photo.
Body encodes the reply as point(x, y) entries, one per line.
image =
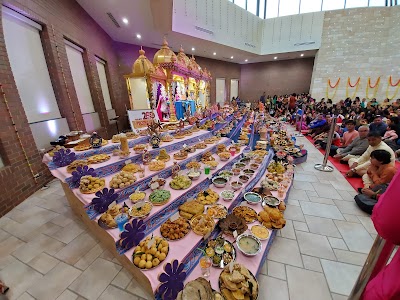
point(188, 250)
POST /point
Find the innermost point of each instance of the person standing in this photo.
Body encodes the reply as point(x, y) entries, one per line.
point(262, 98)
point(292, 103)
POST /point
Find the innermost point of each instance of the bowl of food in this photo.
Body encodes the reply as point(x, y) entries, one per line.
point(227, 195)
point(141, 209)
point(219, 181)
point(212, 164)
point(244, 178)
point(235, 171)
point(160, 181)
point(139, 148)
point(193, 174)
point(249, 172)
point(245, 160)
point(239, 165)
point(226, 174)
point(252, 198)
point(224, 156)
point(270, 201)
point(236, 185)
point(254, 167)
point(248, 244)
point(137, 196)
point(261, 232)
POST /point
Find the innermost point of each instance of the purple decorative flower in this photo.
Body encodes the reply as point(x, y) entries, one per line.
point(63, 157)
point(171, 280)
point(81, 171)
point(133, 234)
point(103, 200)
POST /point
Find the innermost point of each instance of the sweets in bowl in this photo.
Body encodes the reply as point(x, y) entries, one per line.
point(236, 185)
point(227, 195)
point(260, 232)
point(180, 182)
point(224, 156)
point(219, 181)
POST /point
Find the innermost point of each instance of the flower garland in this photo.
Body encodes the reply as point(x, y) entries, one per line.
point(375, 87)
point(390, 81)
point(333, 87)
point(350, 85)
point(397, 85)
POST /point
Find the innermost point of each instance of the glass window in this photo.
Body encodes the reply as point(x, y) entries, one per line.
point(332, 4)
point(262, 8)
point(272, 9)
point(377, 2)
point(288, 7)
point(241, 3)
point(252, 6)
point(356, 3)
point(307, 6)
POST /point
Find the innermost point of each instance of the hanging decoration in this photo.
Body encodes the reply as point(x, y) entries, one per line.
point(335, 86)
point(375, 87)
point(16, 132)
point(397, 85)
point(352, 86)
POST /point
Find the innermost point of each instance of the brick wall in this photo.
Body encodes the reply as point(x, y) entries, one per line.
point(360, 42)
point(60, 19)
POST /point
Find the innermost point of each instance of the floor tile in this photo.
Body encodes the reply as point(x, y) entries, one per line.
point(326, 190)
point(272, 288)
point(135, 289)
point(67, 295)
point(47, 229)
point(19, 277)
point(346, 196)
point(301, 185)
point(10, 245)
point(276, 270)
point(107, 255)
point(285, 251)
point(347, 207)
point(25, 296)
point(314, 245)
point(75, 250)
point(304, 284)
point(113, 292)
point(350, 257)
point(43, 263)
point(122, 279)
point(298, 195)
point(321, 210)
point(293, 202)
point(98, 276)
point(351, 218)
point(69, 233)
point(89, 257)
point(302, 226)
point(294, 213)
point(337, 243)
point(37, 246)
point(306, 178)
point(322, 226)
point(367, 223)
point(311, 263)
point(288, 230)
point(312, 194)
point(5, 235)
point(61, 221)
point(355, 236)
point(321, 200)
point(339, 297)
point(53, 284)
point(5, 260)
point(340, 276)
point(343, 185)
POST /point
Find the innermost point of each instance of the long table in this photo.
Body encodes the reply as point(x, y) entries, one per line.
point(184, 250)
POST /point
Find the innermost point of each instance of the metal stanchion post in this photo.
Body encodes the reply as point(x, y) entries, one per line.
point(303, 107)
point(377, 259)
point(323, 167)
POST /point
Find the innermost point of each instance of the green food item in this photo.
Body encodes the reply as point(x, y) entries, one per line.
point(159, 196)
point(180, 182)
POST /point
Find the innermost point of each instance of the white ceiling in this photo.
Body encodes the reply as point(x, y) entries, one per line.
point(152, 19)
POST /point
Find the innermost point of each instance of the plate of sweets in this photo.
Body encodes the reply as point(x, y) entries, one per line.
point(173, 230)
point(150, 252)
point(221, 252)
point(107, 219)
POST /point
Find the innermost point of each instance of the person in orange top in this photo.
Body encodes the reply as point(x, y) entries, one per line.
point(380, 171)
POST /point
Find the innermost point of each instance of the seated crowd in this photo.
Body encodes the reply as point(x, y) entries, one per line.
point(366, 136)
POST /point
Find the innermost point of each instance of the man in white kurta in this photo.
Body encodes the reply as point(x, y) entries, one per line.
point(360, 165)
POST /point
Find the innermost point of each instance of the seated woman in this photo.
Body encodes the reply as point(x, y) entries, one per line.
point(380, 171)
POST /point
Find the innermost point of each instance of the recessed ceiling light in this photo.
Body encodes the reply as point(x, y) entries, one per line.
point(125, 20)
point(302, 54)
point(246, 60)
point(193, 49)
point(215, 53)
point(231, 57)
point(138, 36)
point(276, 57)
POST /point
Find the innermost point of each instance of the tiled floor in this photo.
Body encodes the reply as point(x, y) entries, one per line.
point(46, 253)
